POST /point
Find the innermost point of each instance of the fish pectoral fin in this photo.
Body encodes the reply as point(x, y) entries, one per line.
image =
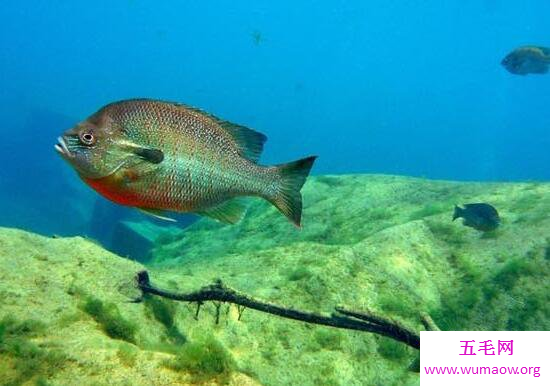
point(149, 154)
point(154, 156)
point(229, 212)
point(159, 214)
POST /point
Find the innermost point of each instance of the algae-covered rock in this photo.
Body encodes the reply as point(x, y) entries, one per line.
point(66, 319)
point(381, 243)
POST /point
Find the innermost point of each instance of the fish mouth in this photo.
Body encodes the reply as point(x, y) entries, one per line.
point(61, 147)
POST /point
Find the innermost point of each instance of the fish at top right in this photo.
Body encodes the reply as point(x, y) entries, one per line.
point(527, 60)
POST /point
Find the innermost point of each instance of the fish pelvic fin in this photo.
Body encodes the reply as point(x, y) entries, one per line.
point(457, 213)
point(159, 214)
point(288, 199)
point(228, 212)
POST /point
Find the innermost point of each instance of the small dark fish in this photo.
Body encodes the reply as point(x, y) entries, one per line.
point(527, 60)
point(480, 216)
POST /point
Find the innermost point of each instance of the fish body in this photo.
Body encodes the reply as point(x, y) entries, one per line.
point(480, 216)
point(528, 60)
point(160, 156)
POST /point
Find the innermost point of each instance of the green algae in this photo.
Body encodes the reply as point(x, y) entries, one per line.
point(452, 234)
point(127, 354)
point(110, 319)
point(430, 210)
point(299, 273)
point(42, 382)
point(206, 359)
point(329, 339)
point(26, 359)
point(164, 312)
point(407, 256)
point(511, 296)
point(525, 203)
point(392, 350)
point(512, 271)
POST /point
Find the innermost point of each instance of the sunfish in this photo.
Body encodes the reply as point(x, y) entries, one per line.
point(159, 156)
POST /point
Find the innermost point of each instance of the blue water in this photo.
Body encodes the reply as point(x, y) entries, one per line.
point(379, 86)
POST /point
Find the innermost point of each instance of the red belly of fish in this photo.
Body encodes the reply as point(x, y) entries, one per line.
point(108, 189)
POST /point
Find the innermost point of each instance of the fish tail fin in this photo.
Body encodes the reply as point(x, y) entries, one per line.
point(287, 197)
point(457, 213)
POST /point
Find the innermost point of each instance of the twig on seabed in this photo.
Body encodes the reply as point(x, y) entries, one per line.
point(341, 318)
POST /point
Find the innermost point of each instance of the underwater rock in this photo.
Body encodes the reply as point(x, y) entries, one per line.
point(392, 249)
point(104, 219)
point(130, 242)
point(72, 296)
point(135, 239)
point(372, 203)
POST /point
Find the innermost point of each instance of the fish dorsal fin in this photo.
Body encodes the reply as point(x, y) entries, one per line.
point(159, 214)
point(229, 212)
point(250, 142)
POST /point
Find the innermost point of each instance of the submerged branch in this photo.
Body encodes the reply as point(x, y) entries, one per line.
point(350, 320)
point(428, 322)
point(395, 329)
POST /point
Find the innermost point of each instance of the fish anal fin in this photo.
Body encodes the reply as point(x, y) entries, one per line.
point(229, 212)
point(159, 214)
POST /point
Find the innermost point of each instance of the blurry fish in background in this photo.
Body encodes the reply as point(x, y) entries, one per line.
point(161, 34)
point(480, 216)
point(159, 156)
point(298, 86)
point(527, 60)
point(257, 37)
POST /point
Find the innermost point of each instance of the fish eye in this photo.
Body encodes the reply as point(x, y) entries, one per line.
point(87, 138)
